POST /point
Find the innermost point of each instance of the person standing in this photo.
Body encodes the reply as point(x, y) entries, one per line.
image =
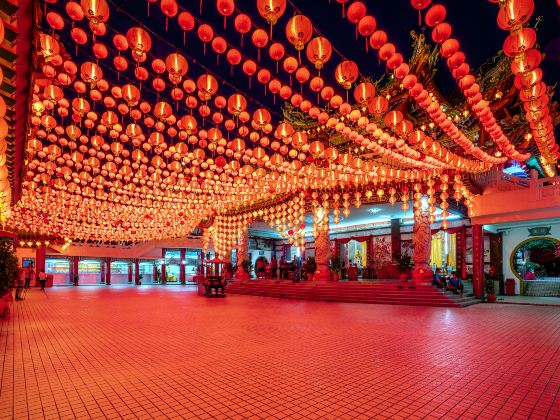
point(43, 279)
point(20, 284)
point(29, 273)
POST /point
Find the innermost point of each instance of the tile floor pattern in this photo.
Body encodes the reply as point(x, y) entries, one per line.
point(156, 352)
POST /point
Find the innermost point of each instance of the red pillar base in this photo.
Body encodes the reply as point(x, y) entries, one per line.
point(422, 276)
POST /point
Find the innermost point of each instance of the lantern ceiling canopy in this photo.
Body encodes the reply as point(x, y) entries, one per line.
point(149, 117)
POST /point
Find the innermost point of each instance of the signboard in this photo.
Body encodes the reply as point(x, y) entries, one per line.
point(539, 231)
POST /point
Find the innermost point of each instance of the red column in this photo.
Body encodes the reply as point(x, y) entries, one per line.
point(130, 272)
point(395, 239)
point(75, 271)
point(136, 271)
point(182, 275)
point(163, 273)
point(40, 256)
point(108, 271)
point(478, 260)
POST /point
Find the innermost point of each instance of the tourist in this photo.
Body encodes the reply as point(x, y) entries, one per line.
point(456, 284)
point(437, 279)
point(42, 279)
point(29, 273)
point(273, 267)
point(530, 275)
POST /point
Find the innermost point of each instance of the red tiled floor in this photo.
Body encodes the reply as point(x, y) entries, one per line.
point(167, 353)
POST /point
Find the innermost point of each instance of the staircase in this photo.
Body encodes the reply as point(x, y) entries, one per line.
point(383, 292)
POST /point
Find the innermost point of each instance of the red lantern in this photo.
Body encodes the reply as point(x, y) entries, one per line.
point(271, 10)
point(236, 104)
point(346, 73)
point(364, 92)
point(207, 86)
point(139, 40)
point(319, 51)
point(299, 31)
point(519, 41)
point(242, 25)
point(378, 39)
point(515, 13)
point(435, 15)
point(176, 66)
point(96, 11)
point(186, 22)
point(225, 8)
point(260, 39)
point(441, 32)
point(276, 52)
point(205, 34)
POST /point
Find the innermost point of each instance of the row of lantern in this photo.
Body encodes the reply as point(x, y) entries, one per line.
point(288, 217)
point(387, 52)
point(520, 45)
point(5, 188)
point(450, 49)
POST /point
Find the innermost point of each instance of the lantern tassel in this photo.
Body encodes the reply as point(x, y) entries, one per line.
point(419, 18)
point(225, 22)
point(148, 8)
point(184, 37)
point(200, 11)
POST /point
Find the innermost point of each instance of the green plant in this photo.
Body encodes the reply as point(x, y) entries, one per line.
point(309, 265)
point(8, 266)
point(139, 277)
point(404, 262)
point(536, 268)
point(336, 265)
point(158, 275)
point(489, 285)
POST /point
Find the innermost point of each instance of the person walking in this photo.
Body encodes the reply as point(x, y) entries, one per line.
point(43, 279)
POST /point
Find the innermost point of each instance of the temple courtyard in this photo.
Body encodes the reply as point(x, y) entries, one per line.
point(165, 352)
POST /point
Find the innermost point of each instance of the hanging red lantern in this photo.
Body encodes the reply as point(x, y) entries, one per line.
point(393, 118)
point(95, 11)
point(441, 33)
point(435, 15)
point(131, 94)
point(364, 92)
point(205, 34)
point(260, 39)
point(186, 22)
point(519, 40)
point(236, 104)
point(378, 39)
point(276, 52)
point(249, 68)
point(90, 73)
point(189, 124)
point(356, 11)
point(75, 11)
point(271, 10)
point(225, 8)
point(261, 117)
point(319, 51)
point(346, 73)
point(55, 21)
point(49, 47)
point(515, 13)
point(242, 24)
point(299, 30)
point(139, 41)
point(420, 5)
point(176, 66)
point(169, 9)
point(207, 86)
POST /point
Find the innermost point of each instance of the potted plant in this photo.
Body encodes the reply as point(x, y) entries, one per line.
point(335, 267)
point(309, 268)
point(76, 279)
point(8, 274)
point(139, 278)
point(490, 291)
point(405, 264)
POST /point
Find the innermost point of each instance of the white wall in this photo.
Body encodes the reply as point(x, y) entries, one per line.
point(513, 236)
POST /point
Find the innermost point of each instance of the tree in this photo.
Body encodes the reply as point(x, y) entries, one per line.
point(8, 266)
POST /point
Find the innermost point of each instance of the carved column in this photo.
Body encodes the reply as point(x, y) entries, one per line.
point(478, 260)
point(108, 271)
point(422, 243)
point(322, 254)
point(242, 255)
